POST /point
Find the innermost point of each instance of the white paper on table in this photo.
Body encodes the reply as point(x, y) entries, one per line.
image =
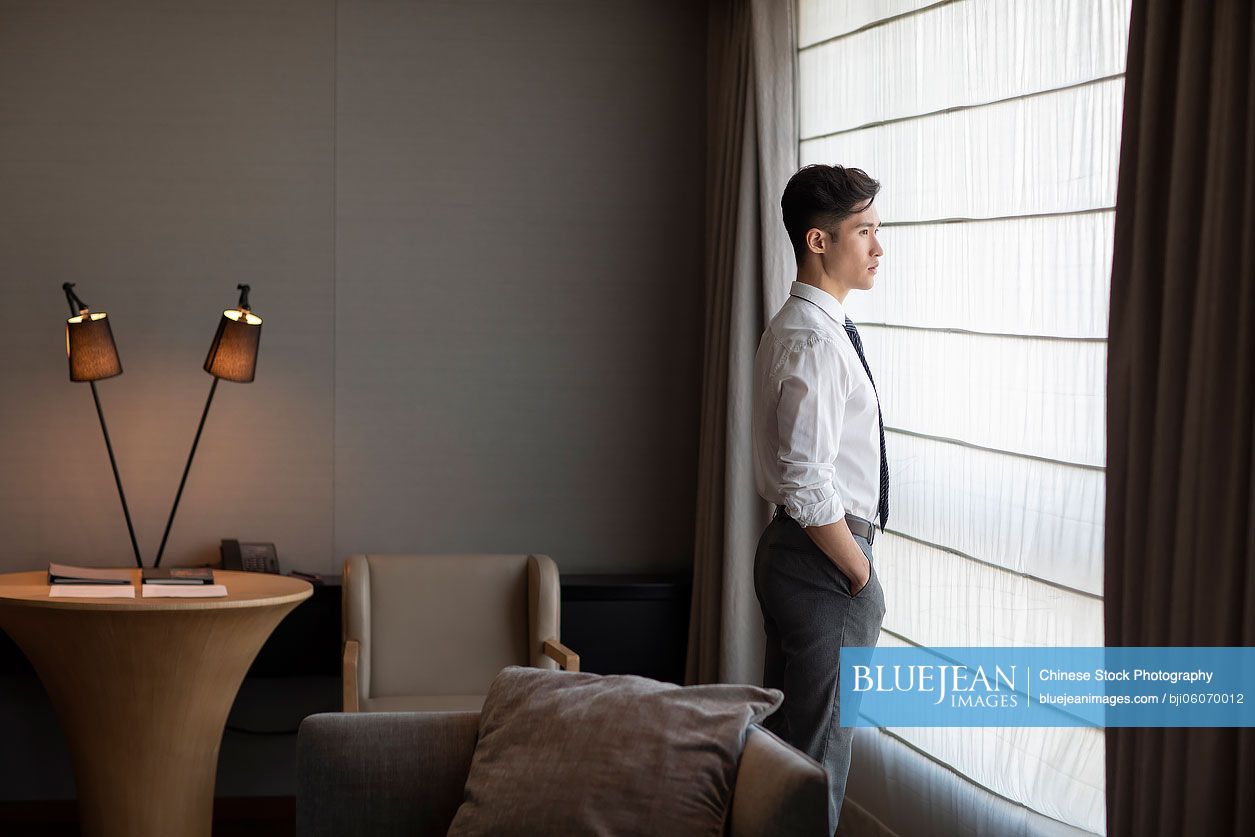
point(183, 591)
point(92, 591)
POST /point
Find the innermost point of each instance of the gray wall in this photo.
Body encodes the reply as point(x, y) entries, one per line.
point(518, 243)
point(473, 230)
point(157, 154)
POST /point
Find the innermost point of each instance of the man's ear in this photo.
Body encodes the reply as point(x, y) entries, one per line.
point(816, 240)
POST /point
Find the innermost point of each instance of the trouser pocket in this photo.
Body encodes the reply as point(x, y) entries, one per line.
point(871, 567)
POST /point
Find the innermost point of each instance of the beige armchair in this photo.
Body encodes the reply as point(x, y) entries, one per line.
point(430, 632)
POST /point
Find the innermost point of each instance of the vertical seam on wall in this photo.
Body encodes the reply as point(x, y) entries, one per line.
point(335, 257)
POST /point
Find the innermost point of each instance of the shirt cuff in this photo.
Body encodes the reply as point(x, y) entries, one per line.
point(820, 513)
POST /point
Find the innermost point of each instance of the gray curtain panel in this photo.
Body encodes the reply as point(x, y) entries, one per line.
point(1180, 533)
point(752, 152)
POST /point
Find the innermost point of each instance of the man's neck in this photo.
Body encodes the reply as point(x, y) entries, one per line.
point(818, 279)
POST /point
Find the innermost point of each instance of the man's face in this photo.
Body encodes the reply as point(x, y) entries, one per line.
point(854, 251)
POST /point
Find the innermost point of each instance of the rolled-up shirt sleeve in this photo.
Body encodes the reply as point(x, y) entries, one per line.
point(813, 389)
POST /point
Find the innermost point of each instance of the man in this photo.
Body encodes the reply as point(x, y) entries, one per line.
point(819, 456)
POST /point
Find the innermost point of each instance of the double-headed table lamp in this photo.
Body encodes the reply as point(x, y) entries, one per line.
point(93, 357)
point(232, 357)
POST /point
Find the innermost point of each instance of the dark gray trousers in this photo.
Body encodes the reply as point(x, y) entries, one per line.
point(809, 614)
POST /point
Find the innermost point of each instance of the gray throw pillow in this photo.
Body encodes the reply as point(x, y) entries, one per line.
point(577, 753)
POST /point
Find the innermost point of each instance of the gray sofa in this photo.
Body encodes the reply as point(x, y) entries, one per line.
point(389, 773)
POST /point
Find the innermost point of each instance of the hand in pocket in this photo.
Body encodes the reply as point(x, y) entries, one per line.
point(864, 581)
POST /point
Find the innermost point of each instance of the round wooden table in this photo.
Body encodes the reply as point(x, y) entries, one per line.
point(143, 688)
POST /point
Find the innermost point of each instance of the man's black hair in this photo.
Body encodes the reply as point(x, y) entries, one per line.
point(821, 197)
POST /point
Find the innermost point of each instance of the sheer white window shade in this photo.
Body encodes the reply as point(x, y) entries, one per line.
point(820, 20)
point(974, 604)
point(994, 127)
point(1042, 397)
point(1034, 276)
point(1026, 515)
point(954, 55)
point(1053, 153)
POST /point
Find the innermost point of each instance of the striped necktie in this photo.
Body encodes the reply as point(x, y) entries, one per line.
point(884, 462)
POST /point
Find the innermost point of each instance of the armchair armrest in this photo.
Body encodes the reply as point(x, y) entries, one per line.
point(560, 654)
point(352, 648)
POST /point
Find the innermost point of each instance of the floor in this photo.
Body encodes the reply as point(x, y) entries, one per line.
point(233, 817)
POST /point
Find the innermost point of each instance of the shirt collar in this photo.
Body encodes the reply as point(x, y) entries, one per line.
point(823, 299)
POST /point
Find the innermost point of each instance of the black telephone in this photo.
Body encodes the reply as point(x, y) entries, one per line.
point(250, 557)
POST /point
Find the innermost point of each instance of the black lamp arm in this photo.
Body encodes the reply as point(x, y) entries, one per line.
point(243, 305)
point(77, 306)
point(186, 470)
point(117, 478)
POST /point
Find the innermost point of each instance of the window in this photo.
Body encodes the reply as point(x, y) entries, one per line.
point(994, 128)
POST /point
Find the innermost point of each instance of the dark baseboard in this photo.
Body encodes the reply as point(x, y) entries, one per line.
point(237, 816)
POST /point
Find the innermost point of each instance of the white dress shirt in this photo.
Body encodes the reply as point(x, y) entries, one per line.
point(816, 430)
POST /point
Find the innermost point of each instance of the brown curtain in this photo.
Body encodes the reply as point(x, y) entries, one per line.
point(752, 151)
point(1180, 531)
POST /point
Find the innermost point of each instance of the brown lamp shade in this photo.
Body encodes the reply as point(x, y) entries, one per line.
point(90, 348)
point(233, 354)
